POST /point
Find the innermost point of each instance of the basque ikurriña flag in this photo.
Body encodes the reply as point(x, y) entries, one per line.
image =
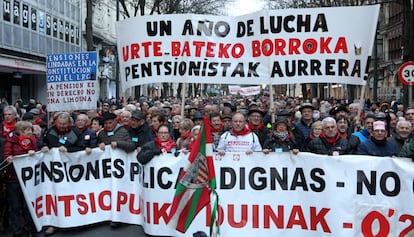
point(197, 184)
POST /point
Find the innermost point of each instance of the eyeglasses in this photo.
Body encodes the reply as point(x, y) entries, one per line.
point(163, 132)
point(329, 127)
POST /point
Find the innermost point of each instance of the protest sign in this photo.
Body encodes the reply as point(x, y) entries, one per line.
point(312, 45)
point(72, 81)
point(260, 195)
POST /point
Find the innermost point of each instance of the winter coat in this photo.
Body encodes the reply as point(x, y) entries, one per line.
point(119, 135)
point(13, 148)
point(276, 144)
point(141, 135)
point(375, 148)
point(69, 140)
point(320, 145)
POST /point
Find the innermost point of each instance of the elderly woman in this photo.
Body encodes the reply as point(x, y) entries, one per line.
point(163, 143)
point(281, 138)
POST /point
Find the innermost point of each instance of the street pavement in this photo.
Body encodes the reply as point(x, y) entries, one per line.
point(96, 230)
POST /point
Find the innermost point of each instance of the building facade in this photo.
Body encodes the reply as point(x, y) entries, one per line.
point(30, 30)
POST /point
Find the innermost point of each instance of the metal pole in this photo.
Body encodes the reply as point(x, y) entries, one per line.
point(375, 70)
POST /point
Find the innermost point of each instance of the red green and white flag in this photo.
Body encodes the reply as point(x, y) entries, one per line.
point(197, 184)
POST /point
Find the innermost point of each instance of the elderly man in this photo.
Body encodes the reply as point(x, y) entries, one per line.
point(239, 138)
point(114, 134)
point(402, 134)
point(87, 137)
point(378, 145)
point(62, 135)
point(140, 131)
point(304, 125)
point(329, 142)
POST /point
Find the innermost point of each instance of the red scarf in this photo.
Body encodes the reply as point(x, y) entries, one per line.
point(25, 142)
point(246, 130)
point(37, 121)
point(8, 128)
point(311, 136)
point(331, 140)
point(165, 146)
point(213, 130)
point(185, 137)
point(255, 128)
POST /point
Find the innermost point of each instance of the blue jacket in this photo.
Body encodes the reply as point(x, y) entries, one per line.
point(375, 148)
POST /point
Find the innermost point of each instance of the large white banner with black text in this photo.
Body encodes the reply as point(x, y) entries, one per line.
point(260, 195)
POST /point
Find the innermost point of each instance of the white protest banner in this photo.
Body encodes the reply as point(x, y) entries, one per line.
point(260, 195)
point(72, 81)
point(244, 91)
point(311, 45)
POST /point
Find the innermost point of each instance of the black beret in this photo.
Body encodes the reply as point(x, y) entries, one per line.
point(197, 115)
point(108, 116)
point(281, 120)
point(337, 109)
point(255, 111)
point(139, 115)
point(284, 113)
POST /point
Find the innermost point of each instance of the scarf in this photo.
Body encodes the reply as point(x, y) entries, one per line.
point(246, 130)
point(255, 128)
point(344, 135)
point(165, 146)
point(214, 130)
point(8, 128)
point(283, 136)
point(25, 142)
point(379, 142)
point(185, 137)
point(331, 140)
point(311, 136)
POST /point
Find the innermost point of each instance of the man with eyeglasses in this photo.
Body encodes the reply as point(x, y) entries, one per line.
point(378, 145)
point(256, 125)
point(329, 142)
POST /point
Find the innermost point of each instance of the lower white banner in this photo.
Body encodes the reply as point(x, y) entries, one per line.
point(259, 195)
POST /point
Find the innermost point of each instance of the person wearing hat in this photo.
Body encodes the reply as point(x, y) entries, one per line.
point(378, 145)
point(281, 138)
point(256, 125)
point(140, 131)
point(239, 138)
point(340, 110)
point(329, 141)
point(105, 108)
point(197, 118)
point(36, 116)
point(114, 134)
point(297, 133)
point(304, 124)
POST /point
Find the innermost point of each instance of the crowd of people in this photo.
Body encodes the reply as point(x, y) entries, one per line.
point(152, 126)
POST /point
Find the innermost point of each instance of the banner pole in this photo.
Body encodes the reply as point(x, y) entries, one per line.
point(272, 103)
point(183, 92)
point(361, 102)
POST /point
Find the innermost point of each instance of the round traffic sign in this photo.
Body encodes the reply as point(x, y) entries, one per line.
point(406, 73)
